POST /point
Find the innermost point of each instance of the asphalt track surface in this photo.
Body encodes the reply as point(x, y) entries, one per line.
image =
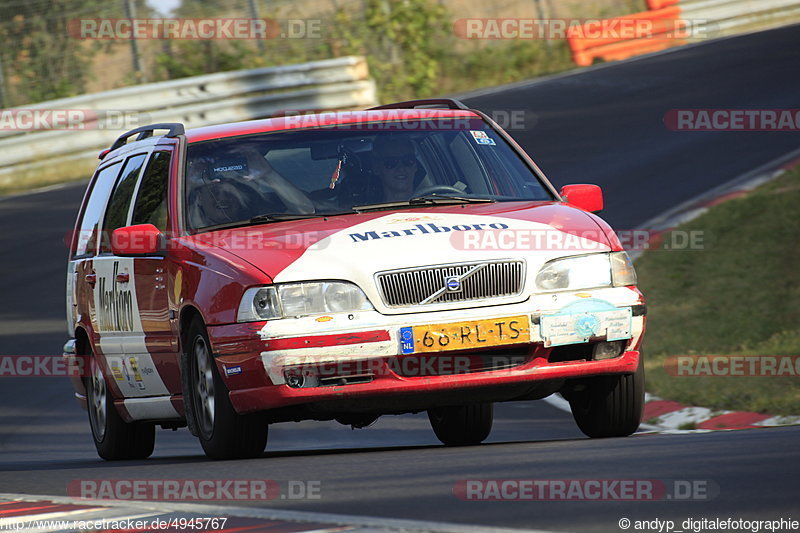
point(601, 126)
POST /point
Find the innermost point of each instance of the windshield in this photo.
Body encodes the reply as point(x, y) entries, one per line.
point(342, 169)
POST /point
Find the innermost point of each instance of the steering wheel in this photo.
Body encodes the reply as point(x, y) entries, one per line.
point(444, 189)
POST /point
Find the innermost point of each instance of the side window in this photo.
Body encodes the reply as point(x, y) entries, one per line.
point(88, 228)
point(120, 203)
point(151, 202)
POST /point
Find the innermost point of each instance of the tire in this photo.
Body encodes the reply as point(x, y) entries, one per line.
point(610, 406)
point(114, 438)
point(223, 433)
point(462, 425)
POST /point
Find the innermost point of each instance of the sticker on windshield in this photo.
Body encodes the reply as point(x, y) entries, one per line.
point(481, 137)
point(229, 167)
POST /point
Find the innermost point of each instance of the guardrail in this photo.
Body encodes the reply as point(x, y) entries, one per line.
point(341, 83)
point(727, 16)
point(673, 22)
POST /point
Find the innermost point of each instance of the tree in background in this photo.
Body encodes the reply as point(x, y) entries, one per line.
point(39, 60)
point(404, 41)
point(182, 58)
point(410, 46)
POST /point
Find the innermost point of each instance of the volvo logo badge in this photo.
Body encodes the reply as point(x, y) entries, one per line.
point(452, 284)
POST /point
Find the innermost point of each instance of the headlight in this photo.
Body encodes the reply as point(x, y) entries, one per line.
point(301, 299)
point(622, 270)
point(587, 272)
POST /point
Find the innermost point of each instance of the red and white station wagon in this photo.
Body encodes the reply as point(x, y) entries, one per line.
point(343, 266)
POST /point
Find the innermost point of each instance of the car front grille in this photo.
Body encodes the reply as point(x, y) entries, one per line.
point(428, 285)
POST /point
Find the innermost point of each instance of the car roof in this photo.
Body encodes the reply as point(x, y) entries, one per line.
point(317, 120)
point(126, 149)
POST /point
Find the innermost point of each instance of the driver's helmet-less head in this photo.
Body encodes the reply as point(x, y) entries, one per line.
point(395, 166)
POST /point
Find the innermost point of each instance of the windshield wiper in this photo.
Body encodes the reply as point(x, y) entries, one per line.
point(444, 199)
point(280, 217)
point(266, 219)
point(428, 199)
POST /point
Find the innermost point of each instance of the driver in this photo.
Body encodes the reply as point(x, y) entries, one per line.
point(394, 163)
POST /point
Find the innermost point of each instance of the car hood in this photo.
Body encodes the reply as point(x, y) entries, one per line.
point(356, 247)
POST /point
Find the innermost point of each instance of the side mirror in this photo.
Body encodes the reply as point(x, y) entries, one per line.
point(585, 196)
point(141, 239)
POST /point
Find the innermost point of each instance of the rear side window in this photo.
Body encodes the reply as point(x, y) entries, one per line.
point(151, 202)
point(120, 203)
point(88, 228)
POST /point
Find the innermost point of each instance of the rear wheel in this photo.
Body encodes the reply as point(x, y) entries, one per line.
point(462, 425)
point(114, 438)
point(223, 433)
point(609, 406)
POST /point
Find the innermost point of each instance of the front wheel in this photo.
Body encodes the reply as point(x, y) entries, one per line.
point(609, 406)
point(462, 425)
point(114, 438)
point(223, 433)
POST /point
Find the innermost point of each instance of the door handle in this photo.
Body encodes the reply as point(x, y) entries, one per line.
point(123, 278)
point(91, 279)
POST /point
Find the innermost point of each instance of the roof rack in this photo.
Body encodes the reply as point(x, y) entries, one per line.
point(447, 103)
point(175, 129)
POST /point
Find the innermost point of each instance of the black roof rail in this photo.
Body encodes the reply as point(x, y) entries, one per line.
point(447, 103)
point(175, 129)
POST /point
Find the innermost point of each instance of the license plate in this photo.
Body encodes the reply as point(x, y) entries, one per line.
point(573, 328)
point(465, 335)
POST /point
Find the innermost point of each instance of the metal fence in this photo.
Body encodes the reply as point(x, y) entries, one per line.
point(341, 83)
point(729, 16)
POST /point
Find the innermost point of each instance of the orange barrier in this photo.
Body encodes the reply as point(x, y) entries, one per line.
point(660, 4)
point(626, 36)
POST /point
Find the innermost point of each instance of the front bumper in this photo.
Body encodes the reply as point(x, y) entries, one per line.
point(358, 356)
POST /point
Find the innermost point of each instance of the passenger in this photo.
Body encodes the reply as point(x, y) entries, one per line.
point(237, 186)
point(214, 200)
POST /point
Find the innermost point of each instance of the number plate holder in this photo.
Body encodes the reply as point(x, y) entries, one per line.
point(465, 335)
